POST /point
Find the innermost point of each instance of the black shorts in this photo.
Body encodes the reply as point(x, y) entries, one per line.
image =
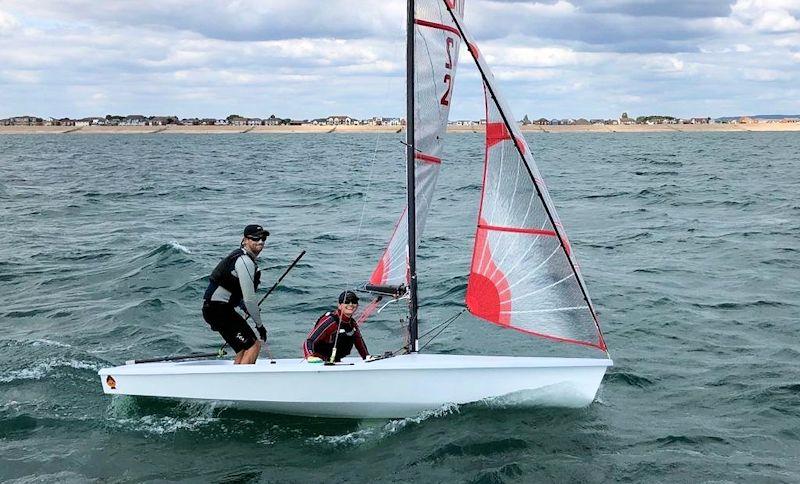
point(227, 322)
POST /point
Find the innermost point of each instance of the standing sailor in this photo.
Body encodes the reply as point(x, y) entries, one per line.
point(233, 284)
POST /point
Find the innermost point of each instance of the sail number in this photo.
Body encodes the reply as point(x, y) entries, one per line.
point(448, 79)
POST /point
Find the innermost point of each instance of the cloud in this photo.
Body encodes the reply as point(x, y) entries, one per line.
point(767, 15)
point(656, 8)
point(7, 23)
point(578, 58)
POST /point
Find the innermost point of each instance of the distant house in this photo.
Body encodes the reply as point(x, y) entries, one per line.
point(90, 121)
point(163, 120)
point(234, 120)
point(624, 119)
point(582, 122)
point(273, 121)
point(254, 122)
point(221, 122)
point(23, 121)
point(542, 122)
point(747, 120)
point(701, 120)
point(339, 120)
point(134, 120)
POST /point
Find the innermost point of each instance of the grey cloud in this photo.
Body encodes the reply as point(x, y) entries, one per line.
point(684, 9)
point(245, 20)
point(597, 32)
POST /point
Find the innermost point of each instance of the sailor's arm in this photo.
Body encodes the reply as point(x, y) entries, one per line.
point(358, 341)
point(246, 269)
point(323, 331)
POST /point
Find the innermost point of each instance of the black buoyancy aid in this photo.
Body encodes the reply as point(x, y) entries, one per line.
point(222, 275)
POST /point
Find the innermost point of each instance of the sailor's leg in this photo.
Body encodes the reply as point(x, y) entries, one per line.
point(250, 355)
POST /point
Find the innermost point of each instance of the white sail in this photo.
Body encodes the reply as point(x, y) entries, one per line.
point(436, 44)
point(523, 273)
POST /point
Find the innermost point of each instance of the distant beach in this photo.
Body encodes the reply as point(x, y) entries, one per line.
point(602, 128)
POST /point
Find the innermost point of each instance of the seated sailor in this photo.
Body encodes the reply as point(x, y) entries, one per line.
point(335, 333)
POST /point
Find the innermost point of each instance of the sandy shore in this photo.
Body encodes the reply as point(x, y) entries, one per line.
point(682, 128)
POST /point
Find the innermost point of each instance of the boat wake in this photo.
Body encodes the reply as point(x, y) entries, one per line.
point(561, 395)
point(125, 413)
point(373, 431)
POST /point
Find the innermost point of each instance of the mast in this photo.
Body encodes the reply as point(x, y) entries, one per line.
point(411, 183)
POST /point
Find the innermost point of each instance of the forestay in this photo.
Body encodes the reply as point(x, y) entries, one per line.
point(436, 44)
point(523, 273)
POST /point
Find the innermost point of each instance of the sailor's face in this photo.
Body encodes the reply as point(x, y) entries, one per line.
point(254, 245)
point(348, 309)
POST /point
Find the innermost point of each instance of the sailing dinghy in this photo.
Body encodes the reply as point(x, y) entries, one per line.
point(523, 276)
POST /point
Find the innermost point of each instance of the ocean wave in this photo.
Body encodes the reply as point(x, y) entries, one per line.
point(39, 342)
point(64, 477)
point(44, 368)
point(742, 305)
point(627, 378)
point(482, 448)
point(178, 246)
point(692, 440)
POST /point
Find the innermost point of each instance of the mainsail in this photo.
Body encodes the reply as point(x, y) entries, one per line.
point(436, 43)
point(523, 273)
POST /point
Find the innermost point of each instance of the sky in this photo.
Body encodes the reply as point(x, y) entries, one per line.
point(314, 58)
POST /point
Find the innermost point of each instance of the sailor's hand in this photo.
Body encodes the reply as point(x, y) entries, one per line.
point(262, 333)
point(370, 358)
point(314, 359)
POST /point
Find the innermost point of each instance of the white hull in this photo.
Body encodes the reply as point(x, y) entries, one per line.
point(395, 387)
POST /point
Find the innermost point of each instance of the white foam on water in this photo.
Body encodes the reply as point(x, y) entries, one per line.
point(176, 245)
point(123, 414)
point(378, 432)
point(66, 477)
point(47, 342)
point(160, 425)
point(42, 369)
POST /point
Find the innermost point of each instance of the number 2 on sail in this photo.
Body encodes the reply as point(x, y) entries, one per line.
point(445, 101)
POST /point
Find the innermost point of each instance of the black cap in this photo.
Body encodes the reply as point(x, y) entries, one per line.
point(348, 297)
point(255, 230)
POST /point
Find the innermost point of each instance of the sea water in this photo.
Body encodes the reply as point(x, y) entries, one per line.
point(689, 244)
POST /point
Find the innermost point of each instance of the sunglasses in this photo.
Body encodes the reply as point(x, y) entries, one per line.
point(257, 239)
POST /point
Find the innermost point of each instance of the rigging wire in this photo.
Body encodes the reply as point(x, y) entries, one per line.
point(442, 325)
point(445, 324)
